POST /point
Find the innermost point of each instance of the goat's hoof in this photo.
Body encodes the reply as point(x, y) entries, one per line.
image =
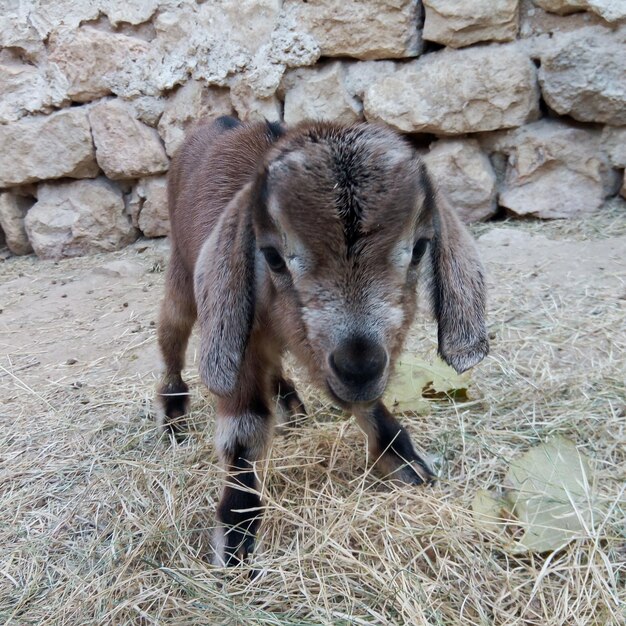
point(173, 406)
point(227, 555)
point(415, 472)
point(292, 407)
point(418, 473)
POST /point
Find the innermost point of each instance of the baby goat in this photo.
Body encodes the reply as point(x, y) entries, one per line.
point(306, 239)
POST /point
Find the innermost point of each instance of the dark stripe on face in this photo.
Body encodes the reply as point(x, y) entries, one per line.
point(349, 174)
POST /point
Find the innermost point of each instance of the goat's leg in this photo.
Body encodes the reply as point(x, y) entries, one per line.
point(289, 401)
point(390, 445)
point(242, 436)
point(177, 317)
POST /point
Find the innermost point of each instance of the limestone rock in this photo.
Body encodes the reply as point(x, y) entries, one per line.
point(291, 47)
point(44, 147)
point(153, 218)
point(614, 143)
point(541, 29)
point(16, 32)
point(125, 148)
point(458, 91)
point(192, 102)
point(13, 208)
point(583, 75)
point(25, 88)
point(188, 42)
point(213, 41)
point(609, 10)
point(457, 24)
point(249, 107)
point(47, 17)
point(77, 218)
point(148, 109)
point(97, 63)
point(135, 12)
point(288, 47)
point(363, 29)
point(320, 94)
point(249, 40)
point(359, 75)
point(552, 170)
point(262, 56)
point(250, 22)
point(464, 176)
point(209, 41)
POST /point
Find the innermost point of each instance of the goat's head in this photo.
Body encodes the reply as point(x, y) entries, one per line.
point(336, 225)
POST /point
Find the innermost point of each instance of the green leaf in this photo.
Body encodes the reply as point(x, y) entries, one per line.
point(552, 495)
point(415, 379)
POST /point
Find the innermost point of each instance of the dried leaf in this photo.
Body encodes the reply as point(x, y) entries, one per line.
point(415, 379)
point(552, 495)
point(490, 513)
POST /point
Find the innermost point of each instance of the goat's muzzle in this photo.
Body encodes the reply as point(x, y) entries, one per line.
point(358, 368)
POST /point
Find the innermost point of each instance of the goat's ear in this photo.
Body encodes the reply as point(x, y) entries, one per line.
point(458, 285)
point(225, 293)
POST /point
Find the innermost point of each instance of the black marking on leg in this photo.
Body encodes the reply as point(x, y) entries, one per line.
point(174, 398)
point(392, 438)
point(240, 523)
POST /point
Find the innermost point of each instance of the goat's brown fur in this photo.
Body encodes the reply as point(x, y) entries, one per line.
point(301, 240)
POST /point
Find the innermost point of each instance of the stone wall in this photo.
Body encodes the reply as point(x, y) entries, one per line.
point(517, 105)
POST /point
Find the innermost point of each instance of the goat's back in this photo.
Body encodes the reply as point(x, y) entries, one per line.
point(214, 162)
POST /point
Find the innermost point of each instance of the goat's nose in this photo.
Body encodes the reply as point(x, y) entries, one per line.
point(358, 361)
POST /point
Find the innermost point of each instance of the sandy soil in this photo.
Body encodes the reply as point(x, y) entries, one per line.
point(78, 366)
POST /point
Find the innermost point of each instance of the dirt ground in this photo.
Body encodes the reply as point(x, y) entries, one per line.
point(102, 521)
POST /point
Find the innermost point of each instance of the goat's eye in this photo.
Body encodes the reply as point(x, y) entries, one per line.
point(418, 251)
point(274, 260)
